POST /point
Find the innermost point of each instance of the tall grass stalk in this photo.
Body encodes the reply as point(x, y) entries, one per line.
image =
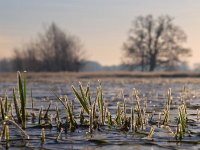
point(90, 121)
point(179, 132)
point(94, 110)
point(81, 117)
point(100, 104)
point(132, 119)
point(22, 94)
point(118, 116)
point(40, 116)
point(83, 94)
point(184, 108)
point(87, 93)
point(6, 105)
point(17, 111)
point(57, 117)
point(47, 111)
point(109, 118)
point(124, 105)
point(166, 110)
point(182, 118)
point(73, 123)
point(42, 136)
point(2, 109)
point(7, 135)
point(140, 119)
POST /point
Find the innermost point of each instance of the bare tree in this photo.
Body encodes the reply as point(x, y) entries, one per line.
point(155, 42)
point(54, 50)
point(60, 51)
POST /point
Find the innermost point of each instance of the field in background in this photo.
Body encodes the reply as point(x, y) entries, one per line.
point(134, 76)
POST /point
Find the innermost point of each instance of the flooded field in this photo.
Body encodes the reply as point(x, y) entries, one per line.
point(144, 113)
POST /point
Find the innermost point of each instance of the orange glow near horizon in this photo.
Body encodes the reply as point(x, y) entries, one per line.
point(104, 52)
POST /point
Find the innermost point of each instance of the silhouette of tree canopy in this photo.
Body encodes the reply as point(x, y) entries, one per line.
point(53, 50)
point(155, 42)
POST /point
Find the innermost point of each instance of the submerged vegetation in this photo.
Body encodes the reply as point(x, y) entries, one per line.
point(133, 116)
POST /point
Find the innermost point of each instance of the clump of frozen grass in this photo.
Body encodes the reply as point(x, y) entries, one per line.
point(83, 97)
point(166, 111)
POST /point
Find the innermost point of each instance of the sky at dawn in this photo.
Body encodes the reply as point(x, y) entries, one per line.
point(101, 25)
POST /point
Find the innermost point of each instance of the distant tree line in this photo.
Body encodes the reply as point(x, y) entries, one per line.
point(54, 50)
point(152, 44)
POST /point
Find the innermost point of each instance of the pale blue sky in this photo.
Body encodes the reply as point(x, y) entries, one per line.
point(102, 25)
